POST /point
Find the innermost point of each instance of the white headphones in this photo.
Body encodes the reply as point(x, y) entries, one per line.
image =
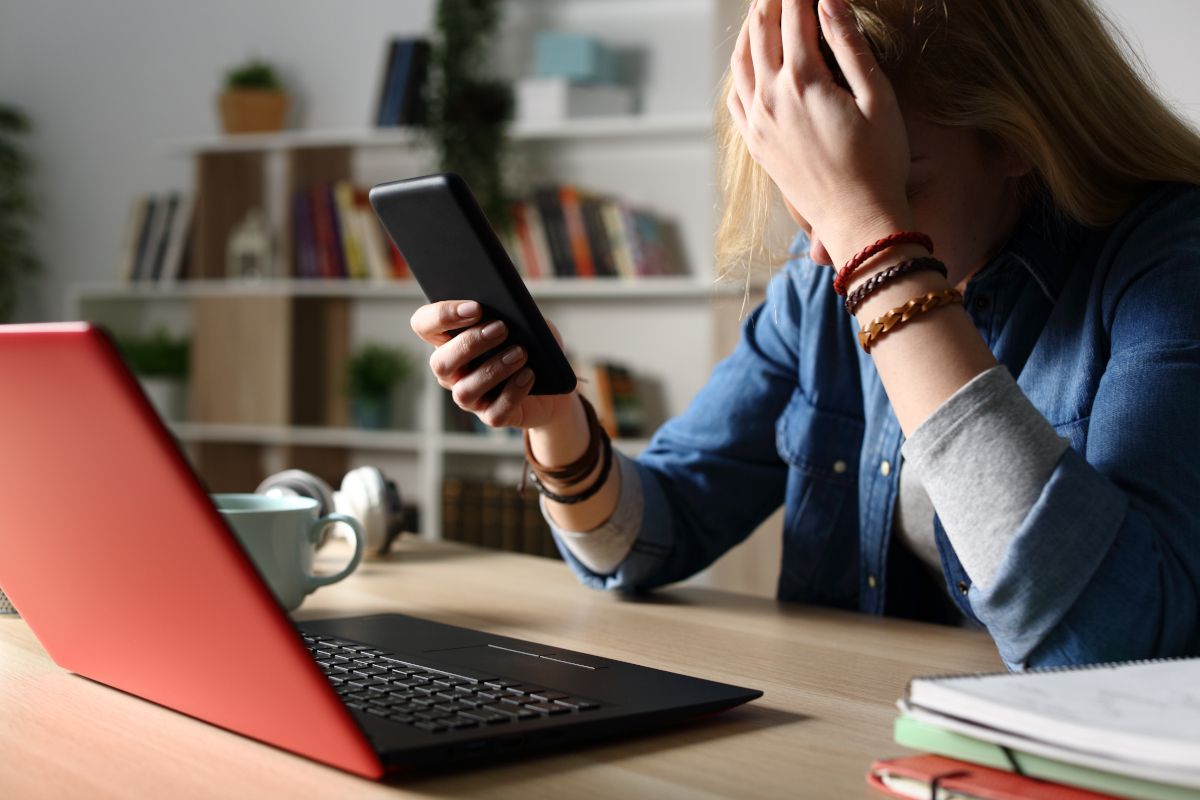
point(365, 494)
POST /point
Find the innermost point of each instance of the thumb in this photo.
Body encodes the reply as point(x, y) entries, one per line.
point(849, 47)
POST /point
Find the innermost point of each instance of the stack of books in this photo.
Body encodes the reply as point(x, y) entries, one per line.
point(156, 238)
point(335, 235)
point(562, 232)
point(1125, 730)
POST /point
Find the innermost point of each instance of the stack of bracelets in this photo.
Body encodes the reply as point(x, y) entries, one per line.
point(898, 316)
point(599, 450)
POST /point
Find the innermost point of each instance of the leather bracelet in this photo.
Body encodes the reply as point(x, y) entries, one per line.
point(875, 248)
point(881, 279)
point(586, 494)
point(900, 315)
point(581, 467)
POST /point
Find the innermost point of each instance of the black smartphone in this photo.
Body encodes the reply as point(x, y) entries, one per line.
point(454, 254)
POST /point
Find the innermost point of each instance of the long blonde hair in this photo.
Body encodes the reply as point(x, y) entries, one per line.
point(1046, 79)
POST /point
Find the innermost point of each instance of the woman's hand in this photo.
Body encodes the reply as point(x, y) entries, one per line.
point(840, 158)
point(456, 330)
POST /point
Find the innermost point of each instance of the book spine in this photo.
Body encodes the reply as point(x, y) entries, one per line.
point(385, 85)
point(328, 197)
point(181, 230)
point(158, 257)
point(524, 240)
point(352, 248)
point(400, 69)
point(452, 491)
point(322, 232)
point(549, 207)
point(134, 231)
point(622, 250)
point(413, 107)
point(598, 240)
point(577, 238)
point(154, 207)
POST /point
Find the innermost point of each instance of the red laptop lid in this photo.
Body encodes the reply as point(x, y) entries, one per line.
point(124, 570)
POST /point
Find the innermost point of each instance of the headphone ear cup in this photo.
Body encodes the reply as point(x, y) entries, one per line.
point(298, 483)
point(363, 495)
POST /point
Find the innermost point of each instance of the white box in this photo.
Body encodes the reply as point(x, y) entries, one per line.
point(555, 98)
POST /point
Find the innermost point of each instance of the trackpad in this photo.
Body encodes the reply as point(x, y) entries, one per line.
point(506, 661)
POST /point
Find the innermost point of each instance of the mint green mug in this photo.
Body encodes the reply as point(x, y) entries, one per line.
point(280, 534)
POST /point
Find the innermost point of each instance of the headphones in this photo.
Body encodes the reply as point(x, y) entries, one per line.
point(365, 494)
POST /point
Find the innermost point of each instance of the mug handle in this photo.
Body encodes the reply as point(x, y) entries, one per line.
point(360, 544)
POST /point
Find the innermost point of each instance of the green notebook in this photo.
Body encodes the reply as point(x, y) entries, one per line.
point(925, 736)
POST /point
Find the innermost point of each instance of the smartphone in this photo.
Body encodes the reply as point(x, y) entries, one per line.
point(454, 254)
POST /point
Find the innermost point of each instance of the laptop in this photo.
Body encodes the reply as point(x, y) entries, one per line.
point(113, 553)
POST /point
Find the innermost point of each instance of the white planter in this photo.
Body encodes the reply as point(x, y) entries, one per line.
point(167, 396)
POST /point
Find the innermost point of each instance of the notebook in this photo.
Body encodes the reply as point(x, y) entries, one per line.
point(925, 777)
point(1139, 718)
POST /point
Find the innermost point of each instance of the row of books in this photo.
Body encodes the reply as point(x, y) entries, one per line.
point(401, 94)
point(560, 231)
point(156, 238)
point(1072, 733)
point(491, 514)
point(335, 235)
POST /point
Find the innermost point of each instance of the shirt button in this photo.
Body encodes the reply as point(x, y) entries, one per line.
point(885, 468)
point(839, 466)
point(963, 588)
point(871, 582)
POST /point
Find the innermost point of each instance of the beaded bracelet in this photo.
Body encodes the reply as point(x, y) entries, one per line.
point(881, 279)
point(899, 315)
point(906, 237)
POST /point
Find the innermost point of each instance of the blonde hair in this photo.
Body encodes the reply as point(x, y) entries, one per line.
point(1048, 80)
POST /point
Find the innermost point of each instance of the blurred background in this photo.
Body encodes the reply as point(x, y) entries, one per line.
point(193, 176)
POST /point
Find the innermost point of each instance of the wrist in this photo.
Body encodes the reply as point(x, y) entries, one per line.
point(565, 436)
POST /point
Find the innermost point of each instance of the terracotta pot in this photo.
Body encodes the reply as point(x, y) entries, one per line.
point(253, 110)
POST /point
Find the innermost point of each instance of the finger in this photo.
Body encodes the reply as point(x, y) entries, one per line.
point(741, 68)
point(436, 322)
point(736, 110)
point(766, 50)
point(470, 391)
point(798, 36)
point(452, 360)
point(850, 48)
point(505, 410)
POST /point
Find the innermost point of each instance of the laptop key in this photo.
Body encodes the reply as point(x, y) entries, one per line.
point(379, 712)
point(577, 703)
point(355, 704)
point(370, 672)
point(401, 717)
point(432, 727)
point(523, 688)
point(547, 695)
point(501, 684)
point(547, 708)
point(366, 683)
point(489, 717)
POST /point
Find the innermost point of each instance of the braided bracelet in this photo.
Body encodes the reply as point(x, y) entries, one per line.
point(881, 279)
point(899, 315)
point(875, 248)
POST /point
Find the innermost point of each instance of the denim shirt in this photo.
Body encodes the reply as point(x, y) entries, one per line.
point(1100, 329)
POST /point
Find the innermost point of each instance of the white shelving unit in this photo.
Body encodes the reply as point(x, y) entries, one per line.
point(663, 158)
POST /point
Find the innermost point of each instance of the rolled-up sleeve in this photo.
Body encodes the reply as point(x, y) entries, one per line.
point(710, 476)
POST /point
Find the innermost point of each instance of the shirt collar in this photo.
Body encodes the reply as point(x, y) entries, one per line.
point(1043, 244)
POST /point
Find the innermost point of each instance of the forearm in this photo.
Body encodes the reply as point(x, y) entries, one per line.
point(922, 364)
point(561, 442)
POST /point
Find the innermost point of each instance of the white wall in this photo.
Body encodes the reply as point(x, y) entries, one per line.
point(108, 82)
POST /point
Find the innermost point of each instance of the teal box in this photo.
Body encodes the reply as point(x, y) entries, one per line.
point(574, 56)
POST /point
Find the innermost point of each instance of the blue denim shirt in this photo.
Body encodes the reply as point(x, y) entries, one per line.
point(1101, 330)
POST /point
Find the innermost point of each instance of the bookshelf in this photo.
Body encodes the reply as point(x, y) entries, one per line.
point(669, 329)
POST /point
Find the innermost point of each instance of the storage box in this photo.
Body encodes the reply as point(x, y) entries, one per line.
point(574, 56)
point(553, 99)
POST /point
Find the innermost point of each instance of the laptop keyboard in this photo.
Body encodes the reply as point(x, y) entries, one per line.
point(375, 682)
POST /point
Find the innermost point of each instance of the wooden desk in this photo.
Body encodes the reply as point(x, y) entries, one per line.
point(831, 680)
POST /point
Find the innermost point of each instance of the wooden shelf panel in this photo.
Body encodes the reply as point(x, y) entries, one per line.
point(554, 289)
point(632, 126)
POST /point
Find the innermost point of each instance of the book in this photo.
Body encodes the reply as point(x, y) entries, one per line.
point(148, 238)
point(305, 261)
point(401, 99)
point(373, 238)
point(173, 264)
point(348, 226)
point(163, 234)
point(915, 777)
point(577, 238)
point(549, 205)
point(920, 735)
point(134, 231)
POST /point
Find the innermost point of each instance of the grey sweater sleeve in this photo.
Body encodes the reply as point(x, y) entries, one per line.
point(984, 457)
point(603, 548)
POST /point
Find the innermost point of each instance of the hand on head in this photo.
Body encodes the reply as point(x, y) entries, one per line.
point(840, 158)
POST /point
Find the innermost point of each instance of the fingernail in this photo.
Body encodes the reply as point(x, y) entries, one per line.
point(468, 309)
point(493, 329)
point(512, 356)
point(835, 9)
point(524, 377)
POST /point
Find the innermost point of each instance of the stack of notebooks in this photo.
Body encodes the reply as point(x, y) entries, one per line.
point(1124, 730)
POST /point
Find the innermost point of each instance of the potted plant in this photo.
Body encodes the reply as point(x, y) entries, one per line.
point(16, 210)
point(161, 364)
point(371, 376)
point(254, 100)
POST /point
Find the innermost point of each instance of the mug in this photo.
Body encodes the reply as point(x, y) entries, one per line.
point(280, 534)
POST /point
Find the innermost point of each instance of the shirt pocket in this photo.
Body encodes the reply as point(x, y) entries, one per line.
point(821, 449)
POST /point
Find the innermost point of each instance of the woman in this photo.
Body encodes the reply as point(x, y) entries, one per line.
point(1003, 437)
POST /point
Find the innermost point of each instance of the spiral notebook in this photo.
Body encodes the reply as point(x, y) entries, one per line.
point(1138, 718)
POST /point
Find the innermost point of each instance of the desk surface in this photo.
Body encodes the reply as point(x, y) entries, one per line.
point(831, 680)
